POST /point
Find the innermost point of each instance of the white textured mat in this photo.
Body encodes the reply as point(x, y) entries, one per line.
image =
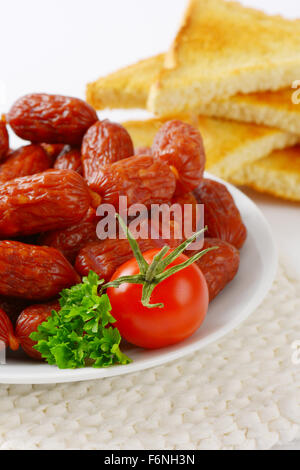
point(242, 393)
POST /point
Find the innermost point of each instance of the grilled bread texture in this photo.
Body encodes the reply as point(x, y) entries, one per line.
point(223, 49)
point(277, 174)
point(125, 88)
point(129, 88)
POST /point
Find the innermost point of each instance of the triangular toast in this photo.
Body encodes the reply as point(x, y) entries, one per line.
point(129, 88)
point(277, 174)
point(125, 88)
point(279, 109)
point(223, 49)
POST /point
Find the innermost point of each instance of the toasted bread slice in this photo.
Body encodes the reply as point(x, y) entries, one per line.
point(129, 88)
point(223, 49)
point(277, 174)
point(270, 108)
point(229, 145)
point(126, 88)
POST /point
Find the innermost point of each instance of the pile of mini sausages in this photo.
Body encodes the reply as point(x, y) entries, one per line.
point(51, 187)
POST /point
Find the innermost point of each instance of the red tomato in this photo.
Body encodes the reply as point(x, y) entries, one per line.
point(185, 299)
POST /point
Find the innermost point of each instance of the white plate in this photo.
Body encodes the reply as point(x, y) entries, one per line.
point(256, 274)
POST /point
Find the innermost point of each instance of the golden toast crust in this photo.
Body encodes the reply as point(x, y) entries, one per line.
point(221, 49)
point(125, 88)
point(129, 88)
point(270, 108)
point(277, 174)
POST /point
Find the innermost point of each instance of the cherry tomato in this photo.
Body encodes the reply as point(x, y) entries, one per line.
point(185, 299)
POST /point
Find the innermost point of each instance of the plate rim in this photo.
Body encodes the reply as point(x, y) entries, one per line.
point(73, 375)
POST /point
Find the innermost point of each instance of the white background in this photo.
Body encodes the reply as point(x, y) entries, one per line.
point(57, 46)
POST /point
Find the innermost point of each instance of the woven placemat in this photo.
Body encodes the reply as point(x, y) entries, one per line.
point(240, 393)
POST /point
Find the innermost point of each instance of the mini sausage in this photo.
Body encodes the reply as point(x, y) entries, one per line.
point(72, 239)
point(142, 179)
point(69, 159)
point(221, 214)
point(104, 257)
point(53, 119)
point(28, 322)
point(181, 146)
point(104, 143)
point(51, 200)
point(33, 272)
point(25, 161)
point(4, 140)
point(219, 266)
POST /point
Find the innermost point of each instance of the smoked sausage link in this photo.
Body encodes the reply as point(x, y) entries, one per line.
point(54, 199)
point(33, 272)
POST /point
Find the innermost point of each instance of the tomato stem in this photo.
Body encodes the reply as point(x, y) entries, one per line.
point(146, 295)
point(154, 266)
point(143, 265)
point(151, 275)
